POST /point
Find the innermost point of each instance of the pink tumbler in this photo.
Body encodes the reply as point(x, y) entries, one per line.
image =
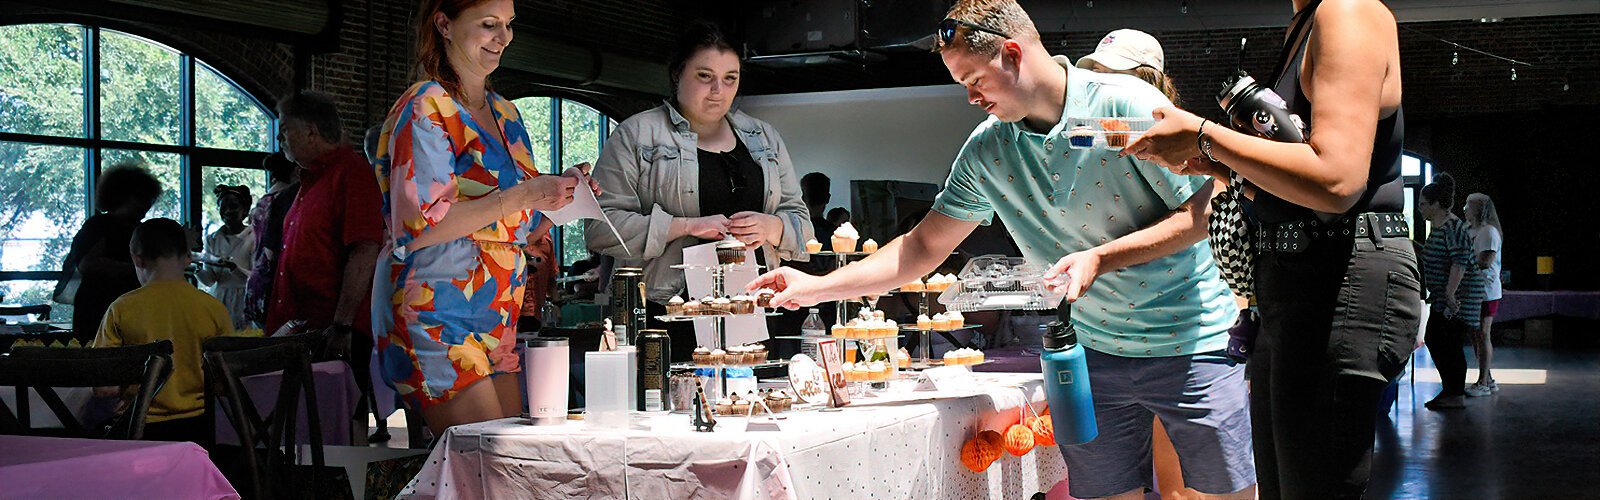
point(545, 366)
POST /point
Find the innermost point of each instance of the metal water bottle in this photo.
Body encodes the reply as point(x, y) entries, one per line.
point(1256, 109)
point(547, 368)
point(1066, 381)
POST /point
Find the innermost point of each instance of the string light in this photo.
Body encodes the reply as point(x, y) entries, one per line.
point(1090, 3)
point(1455, 58)
point(1184, 9)
point(1513, 73)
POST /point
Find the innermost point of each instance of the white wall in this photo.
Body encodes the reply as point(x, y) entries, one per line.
point(903, 134)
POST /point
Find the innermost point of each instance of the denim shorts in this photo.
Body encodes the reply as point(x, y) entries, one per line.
point(1201, 400)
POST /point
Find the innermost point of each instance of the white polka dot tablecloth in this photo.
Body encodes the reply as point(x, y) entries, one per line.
point(905, 445)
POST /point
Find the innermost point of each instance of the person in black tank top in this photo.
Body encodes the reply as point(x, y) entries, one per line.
point(1336, 276)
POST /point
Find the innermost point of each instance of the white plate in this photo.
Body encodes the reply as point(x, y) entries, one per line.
point(808, 379)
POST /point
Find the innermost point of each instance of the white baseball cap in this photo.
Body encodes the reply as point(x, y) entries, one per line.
point(1125, 49)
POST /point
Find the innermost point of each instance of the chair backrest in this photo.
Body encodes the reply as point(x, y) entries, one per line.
point(43, 369)
point(228, 360)
point(40, 311)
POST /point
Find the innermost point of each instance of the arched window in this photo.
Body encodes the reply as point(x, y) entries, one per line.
point(571, 132)
point(77, 99)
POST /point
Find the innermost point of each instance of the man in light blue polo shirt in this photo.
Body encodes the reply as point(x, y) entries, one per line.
point(1155, 319)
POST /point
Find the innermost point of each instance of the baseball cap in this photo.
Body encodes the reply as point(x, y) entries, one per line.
point(1125, 49)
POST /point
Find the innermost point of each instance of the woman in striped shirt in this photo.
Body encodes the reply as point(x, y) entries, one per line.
point(1455, 289)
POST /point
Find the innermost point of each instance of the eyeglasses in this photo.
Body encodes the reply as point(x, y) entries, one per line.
point(948, 27)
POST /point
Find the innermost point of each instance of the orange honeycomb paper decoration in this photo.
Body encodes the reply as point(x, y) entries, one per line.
point(981, 451)
point(1019, 440)
point(1044, 431)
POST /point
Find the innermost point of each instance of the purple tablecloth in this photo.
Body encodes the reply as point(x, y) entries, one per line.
point(337, 395)
point(1524, 304)
point(44, 467)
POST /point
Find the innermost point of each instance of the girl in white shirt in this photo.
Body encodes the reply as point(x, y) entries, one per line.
point(230, 253)
point(1486, 240)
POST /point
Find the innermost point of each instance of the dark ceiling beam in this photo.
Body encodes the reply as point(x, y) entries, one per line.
point(1169, 15)
point(313, 24)
point(585, 67)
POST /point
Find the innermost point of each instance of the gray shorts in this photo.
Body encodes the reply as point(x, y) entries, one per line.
point(1202, 402)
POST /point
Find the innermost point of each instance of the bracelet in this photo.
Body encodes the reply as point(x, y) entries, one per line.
point(1202, 144)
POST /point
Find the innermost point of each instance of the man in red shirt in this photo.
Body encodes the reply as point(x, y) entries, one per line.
point(331, 235)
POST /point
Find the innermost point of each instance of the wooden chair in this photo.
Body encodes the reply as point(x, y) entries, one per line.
point(270, 452)
point(42, 370)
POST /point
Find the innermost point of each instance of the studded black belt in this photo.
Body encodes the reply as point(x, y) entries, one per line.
point(1298, 236)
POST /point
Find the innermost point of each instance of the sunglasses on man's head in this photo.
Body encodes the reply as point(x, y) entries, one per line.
point(949, 26)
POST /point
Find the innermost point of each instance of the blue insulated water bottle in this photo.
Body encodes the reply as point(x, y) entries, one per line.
point(1066, 381)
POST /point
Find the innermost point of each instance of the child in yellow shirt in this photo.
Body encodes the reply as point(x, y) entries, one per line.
point(166, 307)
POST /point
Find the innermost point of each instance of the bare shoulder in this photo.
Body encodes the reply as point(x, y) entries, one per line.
point(1371, 17)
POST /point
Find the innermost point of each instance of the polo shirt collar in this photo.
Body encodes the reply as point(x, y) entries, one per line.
point(1075, 104)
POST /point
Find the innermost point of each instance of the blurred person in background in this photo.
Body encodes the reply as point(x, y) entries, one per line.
point(99, 254)
point(229, 253)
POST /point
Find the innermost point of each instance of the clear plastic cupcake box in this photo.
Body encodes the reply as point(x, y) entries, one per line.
point(1104, 133)
point(997, 282)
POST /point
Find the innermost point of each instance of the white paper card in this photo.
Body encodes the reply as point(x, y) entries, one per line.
point(740, 329)
point(948, 379)
point(762, 424)
point(584, 206)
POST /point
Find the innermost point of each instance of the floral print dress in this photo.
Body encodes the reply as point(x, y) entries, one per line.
point(445, 316)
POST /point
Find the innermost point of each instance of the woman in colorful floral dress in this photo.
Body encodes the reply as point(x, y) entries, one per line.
point(461, 199)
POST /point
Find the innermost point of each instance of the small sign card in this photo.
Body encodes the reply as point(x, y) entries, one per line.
point(948, 379)
point(834, 364)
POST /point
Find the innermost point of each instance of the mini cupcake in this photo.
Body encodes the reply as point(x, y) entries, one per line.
point(952, 358)
point(764, 297)
point(675, 306)
point(777, 402)
point(1081, 137)
point(741, 407)
point(869, 246)
point(719, 357)
point(758, 354)
point(730, 251)
point(844, 238)
point(924, 322)
point(903, 358)
point(724, 406)
point(977, 356)
point(957, 321)
point(855, 372)
point(887, 328)
point(877, 371)
point(840, 331)
point(915, 286)
point(702, 356)
point(813, 246)
point(743, 304)
point(693, 308)
point(721, 305)
point(937, 322)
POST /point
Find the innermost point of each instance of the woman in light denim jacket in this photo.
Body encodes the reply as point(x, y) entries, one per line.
point(651, 173)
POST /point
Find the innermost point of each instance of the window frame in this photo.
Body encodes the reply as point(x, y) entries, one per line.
point(192, 158)
point(553, 162)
